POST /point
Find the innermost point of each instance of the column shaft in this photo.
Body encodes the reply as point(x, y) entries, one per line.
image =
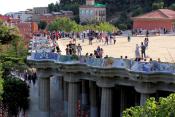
point(60, 86)
point(72, 99)
point(122, 101)
point(106, 102)
point(93, 99)
point(84, 93)
point(65, 98)
point(44, 97)
point(143, 98)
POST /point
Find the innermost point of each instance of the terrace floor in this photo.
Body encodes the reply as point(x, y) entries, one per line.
point(162, 47)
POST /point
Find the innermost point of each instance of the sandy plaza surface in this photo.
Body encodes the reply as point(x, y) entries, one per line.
point(162, 47)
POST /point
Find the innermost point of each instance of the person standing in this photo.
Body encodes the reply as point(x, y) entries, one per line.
point(129, 38)
point(114, 39)
point(137, 53)
point(143, 50)
point(106, 40)
point(79, 49)
point(146, 42)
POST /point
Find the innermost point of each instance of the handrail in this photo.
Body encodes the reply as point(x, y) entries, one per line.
point(131, 65)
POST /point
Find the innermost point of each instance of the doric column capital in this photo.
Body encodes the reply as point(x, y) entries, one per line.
point(72, 77)
point(105, 82)
point(145, 88)
point(44, 73)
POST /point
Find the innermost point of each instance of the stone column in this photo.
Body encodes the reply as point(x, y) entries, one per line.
point(93, 99)
point(122, 100)
point(65, 98)
point(106, 102)
point(60, 87)
point(143, 98)
point(44, 97)
point(84, 93)
point(72, 99)
point(59, 102)
point(145, 89)
point(106, 99)
point(73, 92)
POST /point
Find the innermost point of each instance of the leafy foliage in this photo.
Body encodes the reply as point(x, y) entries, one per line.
point(68, 25)
point(164, 107)
point(42, 25)
point(124, 22)
point(15, 95)
point(157, 5)
point(172, 6)
point(63, 24)
point(12, 48)
point(105, 26)
point(7, 34)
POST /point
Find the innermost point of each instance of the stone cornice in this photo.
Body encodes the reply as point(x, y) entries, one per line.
point(107, 77)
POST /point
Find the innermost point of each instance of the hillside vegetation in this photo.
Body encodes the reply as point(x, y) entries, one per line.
point(119, 12)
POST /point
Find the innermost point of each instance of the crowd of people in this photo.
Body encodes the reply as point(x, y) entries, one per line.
point(28, 76)
point(74, 48)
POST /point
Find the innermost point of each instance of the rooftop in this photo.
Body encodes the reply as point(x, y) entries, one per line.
point(94, 6)
point(158, 14)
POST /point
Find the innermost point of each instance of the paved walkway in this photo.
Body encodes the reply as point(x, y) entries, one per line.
point(162, 47)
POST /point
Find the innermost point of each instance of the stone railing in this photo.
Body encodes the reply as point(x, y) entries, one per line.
point(130, 65)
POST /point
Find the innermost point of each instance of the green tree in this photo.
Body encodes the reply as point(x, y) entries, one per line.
point(157, 5)
point(13, 54)
point(15, 96)
point(42, 25)
point(172, 6)
point(12, 49)
point(164, 107)
point(64, 24)
point(51, 7)
point(137, 11)
point(105, 26)
point(124, 22)
point(7, 34)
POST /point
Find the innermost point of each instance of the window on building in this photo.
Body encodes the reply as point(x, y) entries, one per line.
point(91, 12)
point(87, 11)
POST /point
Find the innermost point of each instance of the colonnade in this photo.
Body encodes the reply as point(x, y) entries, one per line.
point(94, 97)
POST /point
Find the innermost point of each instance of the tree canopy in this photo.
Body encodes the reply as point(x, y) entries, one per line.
point(42, 25)
point(68, 25)
point(13, 92)
point(15, 96)
point(164, 107)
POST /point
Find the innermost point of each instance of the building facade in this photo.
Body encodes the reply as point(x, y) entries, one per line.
point(27, 29)
point(156, 20)
point(40, 10)
point(92, 12)
point(50, 17)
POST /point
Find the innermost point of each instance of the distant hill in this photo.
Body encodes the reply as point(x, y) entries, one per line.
point(118, 11)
